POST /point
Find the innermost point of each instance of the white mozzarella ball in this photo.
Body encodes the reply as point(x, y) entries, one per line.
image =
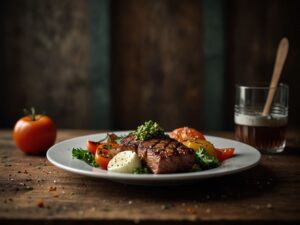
point(124, 162)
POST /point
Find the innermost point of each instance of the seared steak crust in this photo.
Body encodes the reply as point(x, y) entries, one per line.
point(161, 155)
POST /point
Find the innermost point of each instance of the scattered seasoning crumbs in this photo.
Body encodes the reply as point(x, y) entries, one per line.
point(208, 210)
point(29, 188)
point(40, 204)
point(191, 210)
point(52, 188)
point(257, 207)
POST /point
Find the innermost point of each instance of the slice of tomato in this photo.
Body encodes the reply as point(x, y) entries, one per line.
point(224, 153)
point(104, 153)
point(102, 157)
point(186, 134)
point(110, 138)
point(92, 146)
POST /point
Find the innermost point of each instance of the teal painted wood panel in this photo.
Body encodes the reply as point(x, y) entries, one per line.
point(99, 72)
point(214, 63)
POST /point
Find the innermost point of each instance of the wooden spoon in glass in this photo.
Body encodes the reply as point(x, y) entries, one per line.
point(281, 54)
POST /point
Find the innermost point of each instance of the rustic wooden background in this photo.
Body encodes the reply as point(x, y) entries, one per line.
point(113, 64)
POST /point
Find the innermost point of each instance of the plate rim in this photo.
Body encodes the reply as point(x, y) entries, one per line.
point(215, 172)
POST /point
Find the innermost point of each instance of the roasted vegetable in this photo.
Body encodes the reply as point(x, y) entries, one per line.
point(206, 145)
point(186, 134)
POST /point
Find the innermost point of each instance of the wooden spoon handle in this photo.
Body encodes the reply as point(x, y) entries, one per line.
point(281, 55)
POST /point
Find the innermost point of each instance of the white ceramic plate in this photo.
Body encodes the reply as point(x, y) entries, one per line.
point(245, 157)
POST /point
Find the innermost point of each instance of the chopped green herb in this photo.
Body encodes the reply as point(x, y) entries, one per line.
point(149, 130)
point(167, 206)
point(196, 168)
point(142, 170)
point(206, 161)
point(107, 146)
point(84, 155)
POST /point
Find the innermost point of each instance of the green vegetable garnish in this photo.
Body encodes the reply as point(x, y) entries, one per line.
point(142, 170)
point(206, 161)
point(119, 138)
point(84, 155)
point(149, 130)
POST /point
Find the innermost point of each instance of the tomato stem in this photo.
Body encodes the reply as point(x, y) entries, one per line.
point(31, 113)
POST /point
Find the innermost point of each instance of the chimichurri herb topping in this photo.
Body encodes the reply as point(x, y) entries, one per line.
point(149, 130)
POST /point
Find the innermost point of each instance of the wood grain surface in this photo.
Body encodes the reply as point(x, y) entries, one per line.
point(157, 62)
point(32, 191)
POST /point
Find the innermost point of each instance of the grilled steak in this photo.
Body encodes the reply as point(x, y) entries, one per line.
point(161, 155)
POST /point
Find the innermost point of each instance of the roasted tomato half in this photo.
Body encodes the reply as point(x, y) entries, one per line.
point(93, 145)
point(105, 152)
point(186, 134)
point(224, 153)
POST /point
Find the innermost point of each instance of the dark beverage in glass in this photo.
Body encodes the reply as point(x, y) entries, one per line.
point(266, 133)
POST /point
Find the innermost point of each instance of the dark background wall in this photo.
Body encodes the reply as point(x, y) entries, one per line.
point(45, 56)
point(113, 64)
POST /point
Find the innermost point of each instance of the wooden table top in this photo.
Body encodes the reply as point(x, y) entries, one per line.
point(33, 191)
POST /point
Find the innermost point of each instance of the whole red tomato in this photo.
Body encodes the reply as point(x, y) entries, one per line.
point(35, 133)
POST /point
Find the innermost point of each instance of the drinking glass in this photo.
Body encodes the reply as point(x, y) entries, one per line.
point(267, 133)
